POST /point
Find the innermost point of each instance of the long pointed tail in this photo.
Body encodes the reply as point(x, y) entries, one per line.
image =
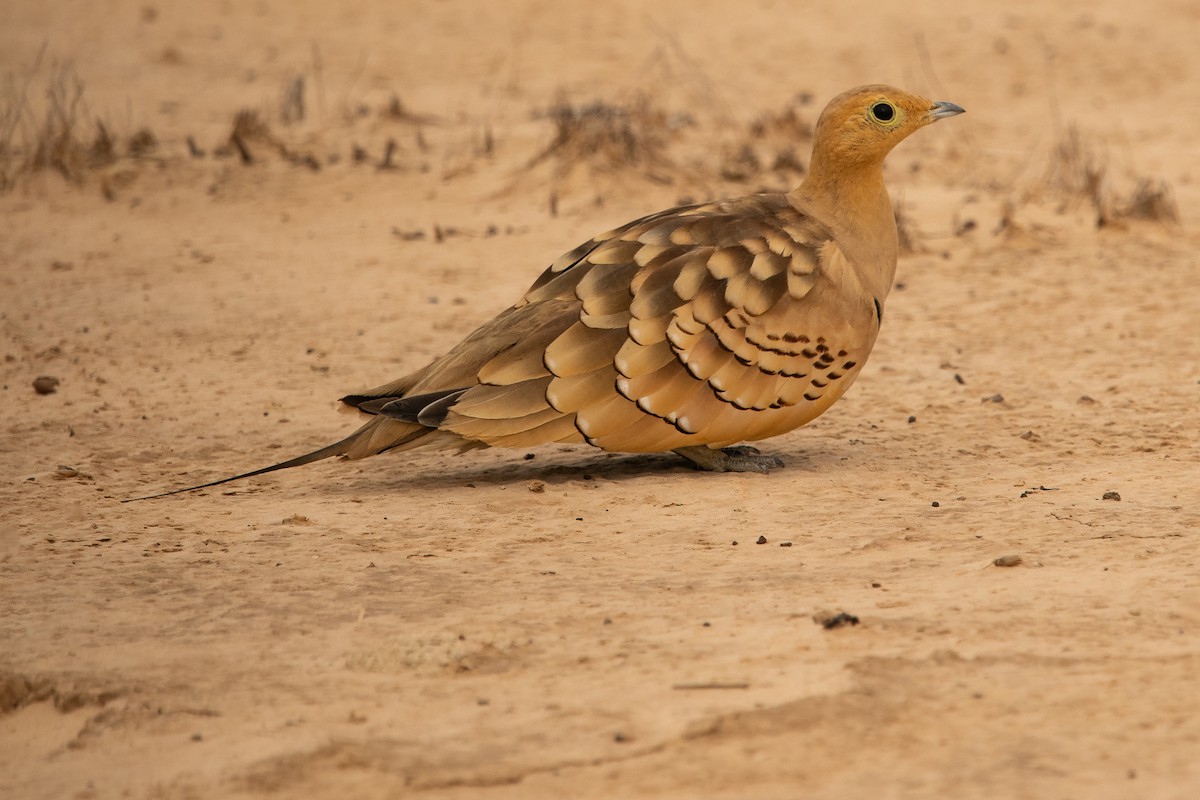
point(335, 449)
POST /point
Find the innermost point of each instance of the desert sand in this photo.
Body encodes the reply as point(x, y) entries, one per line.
point(291, 201)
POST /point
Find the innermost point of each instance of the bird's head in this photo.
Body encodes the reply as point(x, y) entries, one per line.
point(861, 126)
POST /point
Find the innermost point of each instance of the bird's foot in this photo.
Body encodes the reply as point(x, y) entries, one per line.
point(730, 459)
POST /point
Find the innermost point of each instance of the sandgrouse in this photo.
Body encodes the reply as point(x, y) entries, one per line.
point(690, 330)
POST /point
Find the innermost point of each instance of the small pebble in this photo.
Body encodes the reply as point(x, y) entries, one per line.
point(45, 384)
point(537, 487)
point(785, 544)
point(761, 540)
point(936, 504)
point(1007, 561)
point(1111, 496)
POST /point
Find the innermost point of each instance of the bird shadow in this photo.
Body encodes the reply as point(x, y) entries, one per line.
point(563, 468)
point(583, 467)
point(431, 474)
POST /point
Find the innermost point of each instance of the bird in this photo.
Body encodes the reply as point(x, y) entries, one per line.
point(694, 330)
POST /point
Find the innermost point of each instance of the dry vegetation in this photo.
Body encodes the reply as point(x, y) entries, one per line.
point(1076, 172)
point(611, 138)
point(46, 126)
point(768, 152)
point(251, 134)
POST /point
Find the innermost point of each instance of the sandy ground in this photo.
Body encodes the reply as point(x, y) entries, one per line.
point(569, 623)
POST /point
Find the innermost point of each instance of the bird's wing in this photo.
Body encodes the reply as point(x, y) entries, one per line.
point(707, 324)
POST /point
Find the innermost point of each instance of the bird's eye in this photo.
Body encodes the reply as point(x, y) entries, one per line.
point(883, 112)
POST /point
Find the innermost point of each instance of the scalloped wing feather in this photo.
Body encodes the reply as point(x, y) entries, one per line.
point(708, 324)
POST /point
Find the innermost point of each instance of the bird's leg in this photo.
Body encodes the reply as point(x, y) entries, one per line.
point(730, 459)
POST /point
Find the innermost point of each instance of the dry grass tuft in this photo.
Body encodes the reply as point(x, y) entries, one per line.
point(142, 143)
point(598, 146)
point(52, 139)
point(250, 134)
point(790, 124)
point(611, 138)
point(1074, 169)
point(768, 153)
point(248, 125)
point(1151, 200)
point(58, 143)
point(56, 132)
point(1076, 172)
point(641, 137)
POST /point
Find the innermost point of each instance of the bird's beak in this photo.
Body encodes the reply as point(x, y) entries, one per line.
point(943, 109)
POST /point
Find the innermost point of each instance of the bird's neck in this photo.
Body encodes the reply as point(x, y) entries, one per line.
point(853, 201)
